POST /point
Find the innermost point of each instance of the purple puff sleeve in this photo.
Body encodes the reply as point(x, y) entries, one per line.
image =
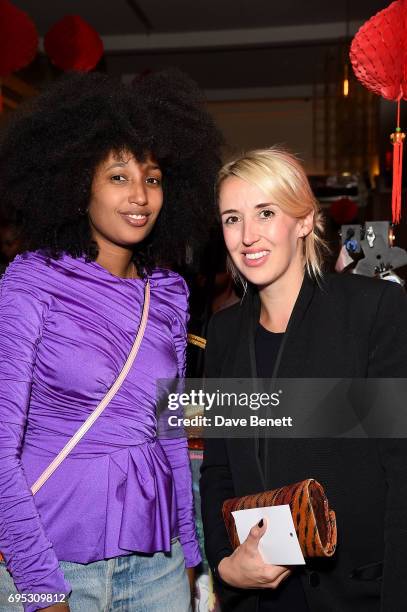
point(176, 450)
point(29, 554)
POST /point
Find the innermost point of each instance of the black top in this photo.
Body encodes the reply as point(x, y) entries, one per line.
point(343, 326)
point(290, 595)
point(267, 346)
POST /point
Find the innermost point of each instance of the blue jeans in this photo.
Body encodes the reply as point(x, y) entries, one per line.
point(135, 583)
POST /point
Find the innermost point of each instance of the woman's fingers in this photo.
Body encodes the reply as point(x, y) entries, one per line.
point(274, 576)
point(246, 569)
point(255, 534)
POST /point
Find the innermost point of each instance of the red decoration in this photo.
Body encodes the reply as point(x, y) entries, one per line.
point(72, 44)
point(397, 139)
point(343, 211)
point(378, 52)
point(379, 59)
point(18, 39)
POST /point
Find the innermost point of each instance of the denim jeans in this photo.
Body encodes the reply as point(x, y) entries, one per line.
point(135, 583)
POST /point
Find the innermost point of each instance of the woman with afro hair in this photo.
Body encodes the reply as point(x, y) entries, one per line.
point(111, 184)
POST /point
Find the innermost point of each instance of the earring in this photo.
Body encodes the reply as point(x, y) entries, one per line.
point(81, 211)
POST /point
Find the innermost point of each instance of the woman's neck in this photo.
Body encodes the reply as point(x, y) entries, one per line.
point(117, 260)
point(278, 300)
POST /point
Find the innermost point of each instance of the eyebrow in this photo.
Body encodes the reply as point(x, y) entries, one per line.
point(257, 207)
point(227, 212)
point(117, 164)
point(123, 164)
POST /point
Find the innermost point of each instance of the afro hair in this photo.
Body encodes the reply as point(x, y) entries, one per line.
point(50, 152)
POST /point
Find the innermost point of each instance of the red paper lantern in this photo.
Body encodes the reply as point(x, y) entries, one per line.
point(343, 211)
point(18, 39)
point(379, 55)
point(72, 44)
point(379, 52)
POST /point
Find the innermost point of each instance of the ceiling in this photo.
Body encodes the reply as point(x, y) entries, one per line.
point(120, 16)
point(225, 45)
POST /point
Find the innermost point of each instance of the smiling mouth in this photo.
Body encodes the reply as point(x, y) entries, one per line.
point(257, 255)
point(135, 219)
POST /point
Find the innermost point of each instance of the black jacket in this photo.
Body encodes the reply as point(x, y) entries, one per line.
point(346, 326)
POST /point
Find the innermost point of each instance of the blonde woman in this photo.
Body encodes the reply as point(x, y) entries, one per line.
point(295, 321)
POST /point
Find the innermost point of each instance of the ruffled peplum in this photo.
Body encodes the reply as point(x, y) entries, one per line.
point(141, 497)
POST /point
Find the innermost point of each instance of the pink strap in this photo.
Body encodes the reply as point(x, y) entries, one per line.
point(105, 401)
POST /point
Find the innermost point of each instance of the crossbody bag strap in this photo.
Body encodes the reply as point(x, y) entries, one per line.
point(105, 401)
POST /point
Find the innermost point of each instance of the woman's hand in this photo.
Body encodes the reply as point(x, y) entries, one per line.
point(191, 579)
point(58, 607)
point(246, 569)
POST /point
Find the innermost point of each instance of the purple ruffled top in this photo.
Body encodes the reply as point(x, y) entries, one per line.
point(66, 329)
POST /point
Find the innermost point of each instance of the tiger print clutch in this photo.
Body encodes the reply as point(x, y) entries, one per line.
point(314, 522)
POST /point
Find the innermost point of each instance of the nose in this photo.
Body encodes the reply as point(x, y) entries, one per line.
point(138, 192)
point(249, 236)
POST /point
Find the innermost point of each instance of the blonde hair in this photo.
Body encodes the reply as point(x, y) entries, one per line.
point(281, 177)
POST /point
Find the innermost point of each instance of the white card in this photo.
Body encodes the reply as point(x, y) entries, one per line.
point(279, 545)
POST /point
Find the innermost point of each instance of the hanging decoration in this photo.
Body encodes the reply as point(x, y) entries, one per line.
point(343, 211)
point(72, 44)
point(18, 40)
point(379, 55)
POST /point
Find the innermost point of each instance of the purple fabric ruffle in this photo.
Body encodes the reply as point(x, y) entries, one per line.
point(66, 328)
